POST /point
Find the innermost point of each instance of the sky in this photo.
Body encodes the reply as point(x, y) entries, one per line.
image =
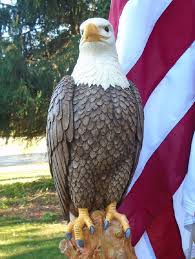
point(7, 1)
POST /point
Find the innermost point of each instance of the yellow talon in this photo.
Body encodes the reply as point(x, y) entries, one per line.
point(111, 213)
point(77, 225)
point(68, 230)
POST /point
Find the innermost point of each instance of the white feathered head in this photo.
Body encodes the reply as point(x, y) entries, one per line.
point(98, 60)
point(97, 32)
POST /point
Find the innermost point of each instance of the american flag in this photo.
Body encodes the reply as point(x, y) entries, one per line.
point(156, 50)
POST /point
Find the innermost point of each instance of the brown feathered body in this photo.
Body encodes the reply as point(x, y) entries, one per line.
point(94, 138)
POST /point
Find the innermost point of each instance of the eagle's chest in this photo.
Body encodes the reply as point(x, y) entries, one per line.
point(94, 107)
point(101, 116)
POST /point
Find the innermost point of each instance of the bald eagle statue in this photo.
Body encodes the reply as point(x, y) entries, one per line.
point(94, 132)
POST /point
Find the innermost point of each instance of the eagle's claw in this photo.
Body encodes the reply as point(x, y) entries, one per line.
point(77, 225)
point(68, 236)
point(80, 243)
point(106, 224)
point(128, 233)
point(111, 213)
point(92, 230)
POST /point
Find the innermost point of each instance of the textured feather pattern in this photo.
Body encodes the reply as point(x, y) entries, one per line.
point(94, 139)
point(104, 73)
point(59, 134)
point(140, 122)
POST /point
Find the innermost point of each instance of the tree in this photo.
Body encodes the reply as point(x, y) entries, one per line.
point(38, 45)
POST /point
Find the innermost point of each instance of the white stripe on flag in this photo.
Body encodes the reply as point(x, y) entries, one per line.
point(135, 27)
point(166, 106)
point(184, 201)
point(180, 217)
point(189, 184)
point(143, 249)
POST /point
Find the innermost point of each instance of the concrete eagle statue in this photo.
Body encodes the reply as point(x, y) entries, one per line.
point(94, 132)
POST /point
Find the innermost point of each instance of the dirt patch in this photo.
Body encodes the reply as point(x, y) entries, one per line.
point(34, 207)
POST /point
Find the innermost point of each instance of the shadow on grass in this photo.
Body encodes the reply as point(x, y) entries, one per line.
point(13, 221)
point(6, 221)
point(21, 239)
point(43, 248)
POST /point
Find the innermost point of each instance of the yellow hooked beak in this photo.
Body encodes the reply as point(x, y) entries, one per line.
point(91, 33)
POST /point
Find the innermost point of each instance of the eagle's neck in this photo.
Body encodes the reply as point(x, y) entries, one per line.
point(95, 67)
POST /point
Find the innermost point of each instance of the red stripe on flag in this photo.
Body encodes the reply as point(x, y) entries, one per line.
point(160, 178)
point(116, 8)
point(169, 39)
point(164, 235)
point(193, 15)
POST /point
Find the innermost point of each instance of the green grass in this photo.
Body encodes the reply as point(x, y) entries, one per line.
point(29, 239)
point(20, 194)
point(30, 218)
point(19, 189)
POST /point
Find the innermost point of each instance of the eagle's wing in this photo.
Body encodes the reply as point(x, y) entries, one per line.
point(59, 133)
point(140, 123)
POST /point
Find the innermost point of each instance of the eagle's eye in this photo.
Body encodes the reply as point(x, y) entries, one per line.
point(106, 28)
point(81, 32)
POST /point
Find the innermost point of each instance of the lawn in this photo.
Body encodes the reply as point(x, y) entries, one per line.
point(30, 219)
point(22, 239)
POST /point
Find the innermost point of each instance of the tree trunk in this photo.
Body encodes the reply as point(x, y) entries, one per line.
point(109, 244)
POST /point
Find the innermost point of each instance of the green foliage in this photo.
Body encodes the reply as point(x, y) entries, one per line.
point(38, 45)
point(49, 217)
